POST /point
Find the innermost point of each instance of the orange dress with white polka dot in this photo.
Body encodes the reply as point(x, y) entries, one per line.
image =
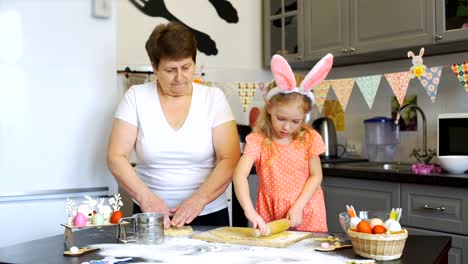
point(282, 177)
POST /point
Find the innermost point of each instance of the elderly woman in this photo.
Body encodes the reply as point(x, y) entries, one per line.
point(184, 135)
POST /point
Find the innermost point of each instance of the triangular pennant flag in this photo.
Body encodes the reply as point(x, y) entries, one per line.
point(334, 111)
point(343, 89)
point(431, 81)
point(246, 93)
point(399, 83)
point(369, 86)
point(461, 70)
point(320, 92)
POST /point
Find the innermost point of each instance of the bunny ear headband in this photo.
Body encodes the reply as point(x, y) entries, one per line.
point(286, 82)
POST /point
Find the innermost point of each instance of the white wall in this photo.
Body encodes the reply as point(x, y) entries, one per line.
point(58, 93)
point(239, 44)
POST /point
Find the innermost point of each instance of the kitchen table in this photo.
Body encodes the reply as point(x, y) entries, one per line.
point(418, 249)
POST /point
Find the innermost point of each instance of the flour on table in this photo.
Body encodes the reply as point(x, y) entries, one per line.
point(186, 250)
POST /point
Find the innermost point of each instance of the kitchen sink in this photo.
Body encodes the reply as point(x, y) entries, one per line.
point(381, 166)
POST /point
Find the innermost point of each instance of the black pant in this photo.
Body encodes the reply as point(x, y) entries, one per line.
point(218, 218)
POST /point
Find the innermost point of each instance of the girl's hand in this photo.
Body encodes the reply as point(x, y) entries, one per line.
point(295, 216)
point(155, 204)
point(257, 221)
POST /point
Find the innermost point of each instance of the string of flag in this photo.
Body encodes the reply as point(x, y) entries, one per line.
point(368, 86)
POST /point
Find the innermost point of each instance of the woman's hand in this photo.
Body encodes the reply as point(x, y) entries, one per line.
point(188, 210)
point(295, 216)
point(257, 221)
point(155, 204)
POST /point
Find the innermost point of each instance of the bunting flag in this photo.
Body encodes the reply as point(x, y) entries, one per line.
point(320, 92)
point(399, 83)
point(343, 89)
point(431, 81)
point(461, 70)
point(369, 86)
point(246, 92)
point(334, 111)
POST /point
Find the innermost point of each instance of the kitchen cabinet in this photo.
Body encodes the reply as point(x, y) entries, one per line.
point(453, 25)
point(431, 210)
point(362, 194)
point(435, 207)
point(362, 26)
point(306, 30)
point(427, 209)
point(283, 31)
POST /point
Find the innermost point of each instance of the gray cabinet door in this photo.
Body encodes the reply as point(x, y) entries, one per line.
point(283, 29)
point(362, 194)
point(378, 25)
point(435, 207)
point(458, 254)
point(452, 21)
point(326, 28)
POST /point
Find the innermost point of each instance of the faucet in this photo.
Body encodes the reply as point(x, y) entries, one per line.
point(426, 155)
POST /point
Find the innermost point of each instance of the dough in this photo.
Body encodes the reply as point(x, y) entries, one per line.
point(243, 233)
point(178, 231)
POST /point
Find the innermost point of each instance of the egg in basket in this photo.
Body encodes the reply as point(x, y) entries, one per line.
point(375, 234)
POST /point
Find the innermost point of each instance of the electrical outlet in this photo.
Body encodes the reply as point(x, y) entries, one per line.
point(354, 148)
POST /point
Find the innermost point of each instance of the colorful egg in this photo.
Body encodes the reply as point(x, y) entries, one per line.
point(325, 245)
point(98, 219)
point(376, 221)
point(80, 220)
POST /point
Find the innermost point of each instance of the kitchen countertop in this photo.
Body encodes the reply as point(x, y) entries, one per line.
point(418, 249)
point(440, 179)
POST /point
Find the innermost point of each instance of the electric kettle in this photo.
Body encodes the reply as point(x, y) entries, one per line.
point(326, 128)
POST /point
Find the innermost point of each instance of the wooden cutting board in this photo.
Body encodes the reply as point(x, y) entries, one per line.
point(244, 236)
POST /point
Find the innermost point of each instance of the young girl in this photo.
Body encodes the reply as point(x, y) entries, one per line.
point(286, 154)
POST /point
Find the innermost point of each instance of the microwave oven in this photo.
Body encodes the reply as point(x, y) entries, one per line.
point(452, 142)
point(452, 134)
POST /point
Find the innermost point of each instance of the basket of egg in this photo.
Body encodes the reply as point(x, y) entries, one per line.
point(373, 237)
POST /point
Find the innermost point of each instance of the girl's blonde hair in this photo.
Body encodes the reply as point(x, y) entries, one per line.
point(263, 124)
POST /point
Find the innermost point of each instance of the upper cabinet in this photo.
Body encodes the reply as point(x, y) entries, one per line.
point(283, 31)
point(326, 28)
point(377, 25)
point(453, 25)
point(354, 27)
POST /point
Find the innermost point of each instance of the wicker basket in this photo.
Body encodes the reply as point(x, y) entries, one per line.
point(378, 247)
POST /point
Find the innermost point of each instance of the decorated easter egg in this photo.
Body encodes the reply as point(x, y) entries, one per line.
point(379, 229)
point(80, 220)
point(325, 245)
point(376, 221)
point(364, 227)
point(98, 219)
point(353, 222)
point(116, 216)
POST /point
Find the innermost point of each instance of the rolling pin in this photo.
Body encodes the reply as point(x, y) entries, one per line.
point(274, 227)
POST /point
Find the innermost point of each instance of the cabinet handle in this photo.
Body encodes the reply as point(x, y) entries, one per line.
point(438, 37)
point(432, 208)
point(344, 50)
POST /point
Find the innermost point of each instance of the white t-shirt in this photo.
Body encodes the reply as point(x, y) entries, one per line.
point(174, 163)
